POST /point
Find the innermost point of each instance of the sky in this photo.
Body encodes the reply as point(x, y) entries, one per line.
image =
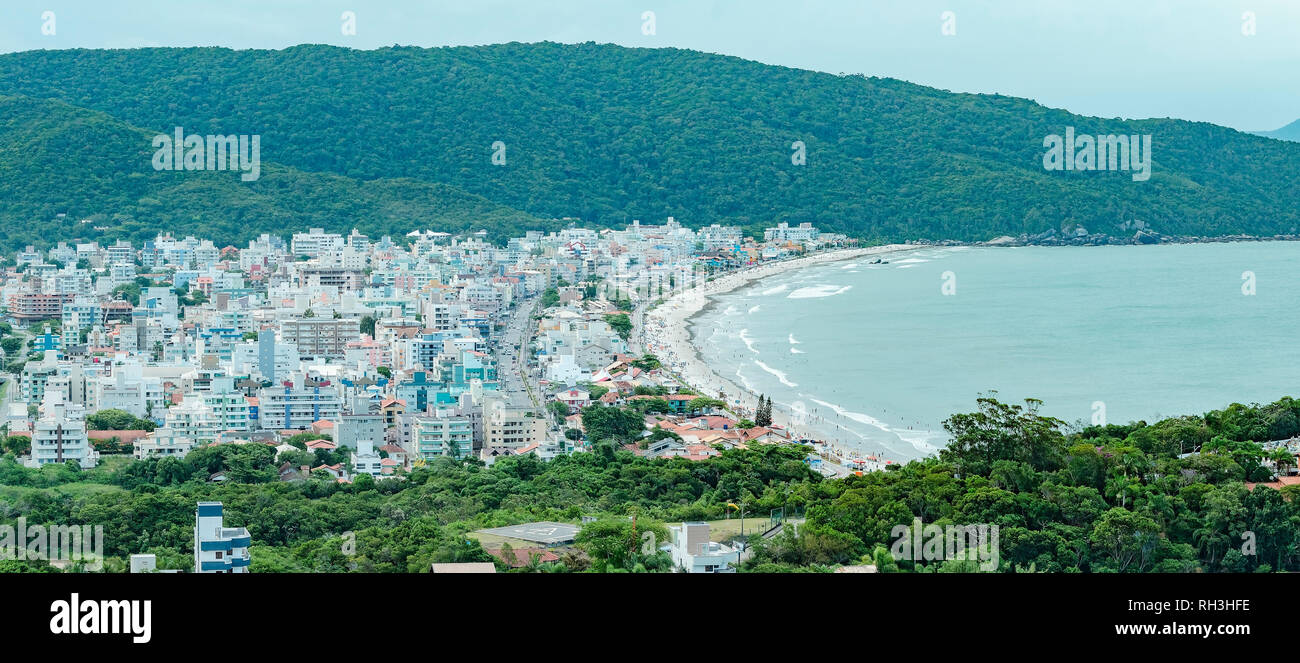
point(1187, 59)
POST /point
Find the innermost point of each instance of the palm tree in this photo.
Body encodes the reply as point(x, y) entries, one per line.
point(1282, 459)
point(1117, 486)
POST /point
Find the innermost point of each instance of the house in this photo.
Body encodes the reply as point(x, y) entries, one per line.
point(289, 472)
point(313, 445)
point(1279, 484)
point(576, 399)
point(396, 454)
point(693, 552)
point(366, 460)
point(336, 470)
point(463, 567)
point(863, 568)
point(392, 409)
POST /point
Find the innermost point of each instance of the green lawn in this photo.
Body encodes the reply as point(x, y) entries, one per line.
point(12, 494)
point(721, 530)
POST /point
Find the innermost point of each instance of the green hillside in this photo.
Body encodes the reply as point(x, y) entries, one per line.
point(61, 166)
point(608, 134)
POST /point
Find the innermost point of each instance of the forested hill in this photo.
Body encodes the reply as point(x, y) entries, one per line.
point(608, 134)
point(62, 165)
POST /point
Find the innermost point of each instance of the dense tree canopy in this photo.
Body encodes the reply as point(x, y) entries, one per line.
point(385, 139)
point(1115, 498)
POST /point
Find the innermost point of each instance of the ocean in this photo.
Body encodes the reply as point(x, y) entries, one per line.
point(876, 356)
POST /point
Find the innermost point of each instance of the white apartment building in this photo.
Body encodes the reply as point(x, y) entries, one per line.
point(352, 429)
point(783, 232)
point(59, 435)
point(315, 242)
point(191, 420)
point(120, 252)
point(70, 281)
point(81, 312)
point(365, 460)
point(443, 435)
point(120, 274)
point(127, 389)
point(720, 237)
point(230, 409)
point(35, 374)
point(508, 427)
point(320, 338)
point(163, 442)
point(294, 405)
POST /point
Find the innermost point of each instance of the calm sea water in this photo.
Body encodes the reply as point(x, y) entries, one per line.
point(877, 356)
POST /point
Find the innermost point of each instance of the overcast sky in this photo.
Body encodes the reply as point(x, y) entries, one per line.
point(1187, 59)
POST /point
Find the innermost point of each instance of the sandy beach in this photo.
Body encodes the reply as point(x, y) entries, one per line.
point(666, 333)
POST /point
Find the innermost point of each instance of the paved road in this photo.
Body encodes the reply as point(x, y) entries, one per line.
point(11, 393)
point(512, 355)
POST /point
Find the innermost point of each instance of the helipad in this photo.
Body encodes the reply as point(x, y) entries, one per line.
point(551, 534)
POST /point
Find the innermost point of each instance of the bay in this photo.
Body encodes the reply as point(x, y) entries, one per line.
point(877, 356)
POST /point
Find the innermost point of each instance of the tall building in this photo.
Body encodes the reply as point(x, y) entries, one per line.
point(510, 427)
point(228, 405)
point(320, 338)
point(298, 404)
point(350, 429)
point(315, 242)
point(784, 232)
point(59, 435)
point(217, 548)
point(447, 435)
point(266, 353)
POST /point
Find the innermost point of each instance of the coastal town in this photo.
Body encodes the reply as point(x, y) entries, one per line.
point(353, 355)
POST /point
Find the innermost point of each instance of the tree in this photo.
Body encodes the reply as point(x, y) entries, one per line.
point(1282, 459)
point(620, 323)
point(18, 445)
point(999, 431)
point(368, 326)
point(1125, 537)
point(11, 344)
point(550, 297)
point(559, 410)
point(621, 543)
point(113, 419)
point(603, 423)
point(647, 362)
point(763, 415)
point(704, 403)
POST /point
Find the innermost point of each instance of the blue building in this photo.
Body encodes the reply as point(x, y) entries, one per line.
point(217, 548)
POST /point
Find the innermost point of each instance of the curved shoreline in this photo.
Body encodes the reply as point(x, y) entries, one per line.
point(666, 332)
